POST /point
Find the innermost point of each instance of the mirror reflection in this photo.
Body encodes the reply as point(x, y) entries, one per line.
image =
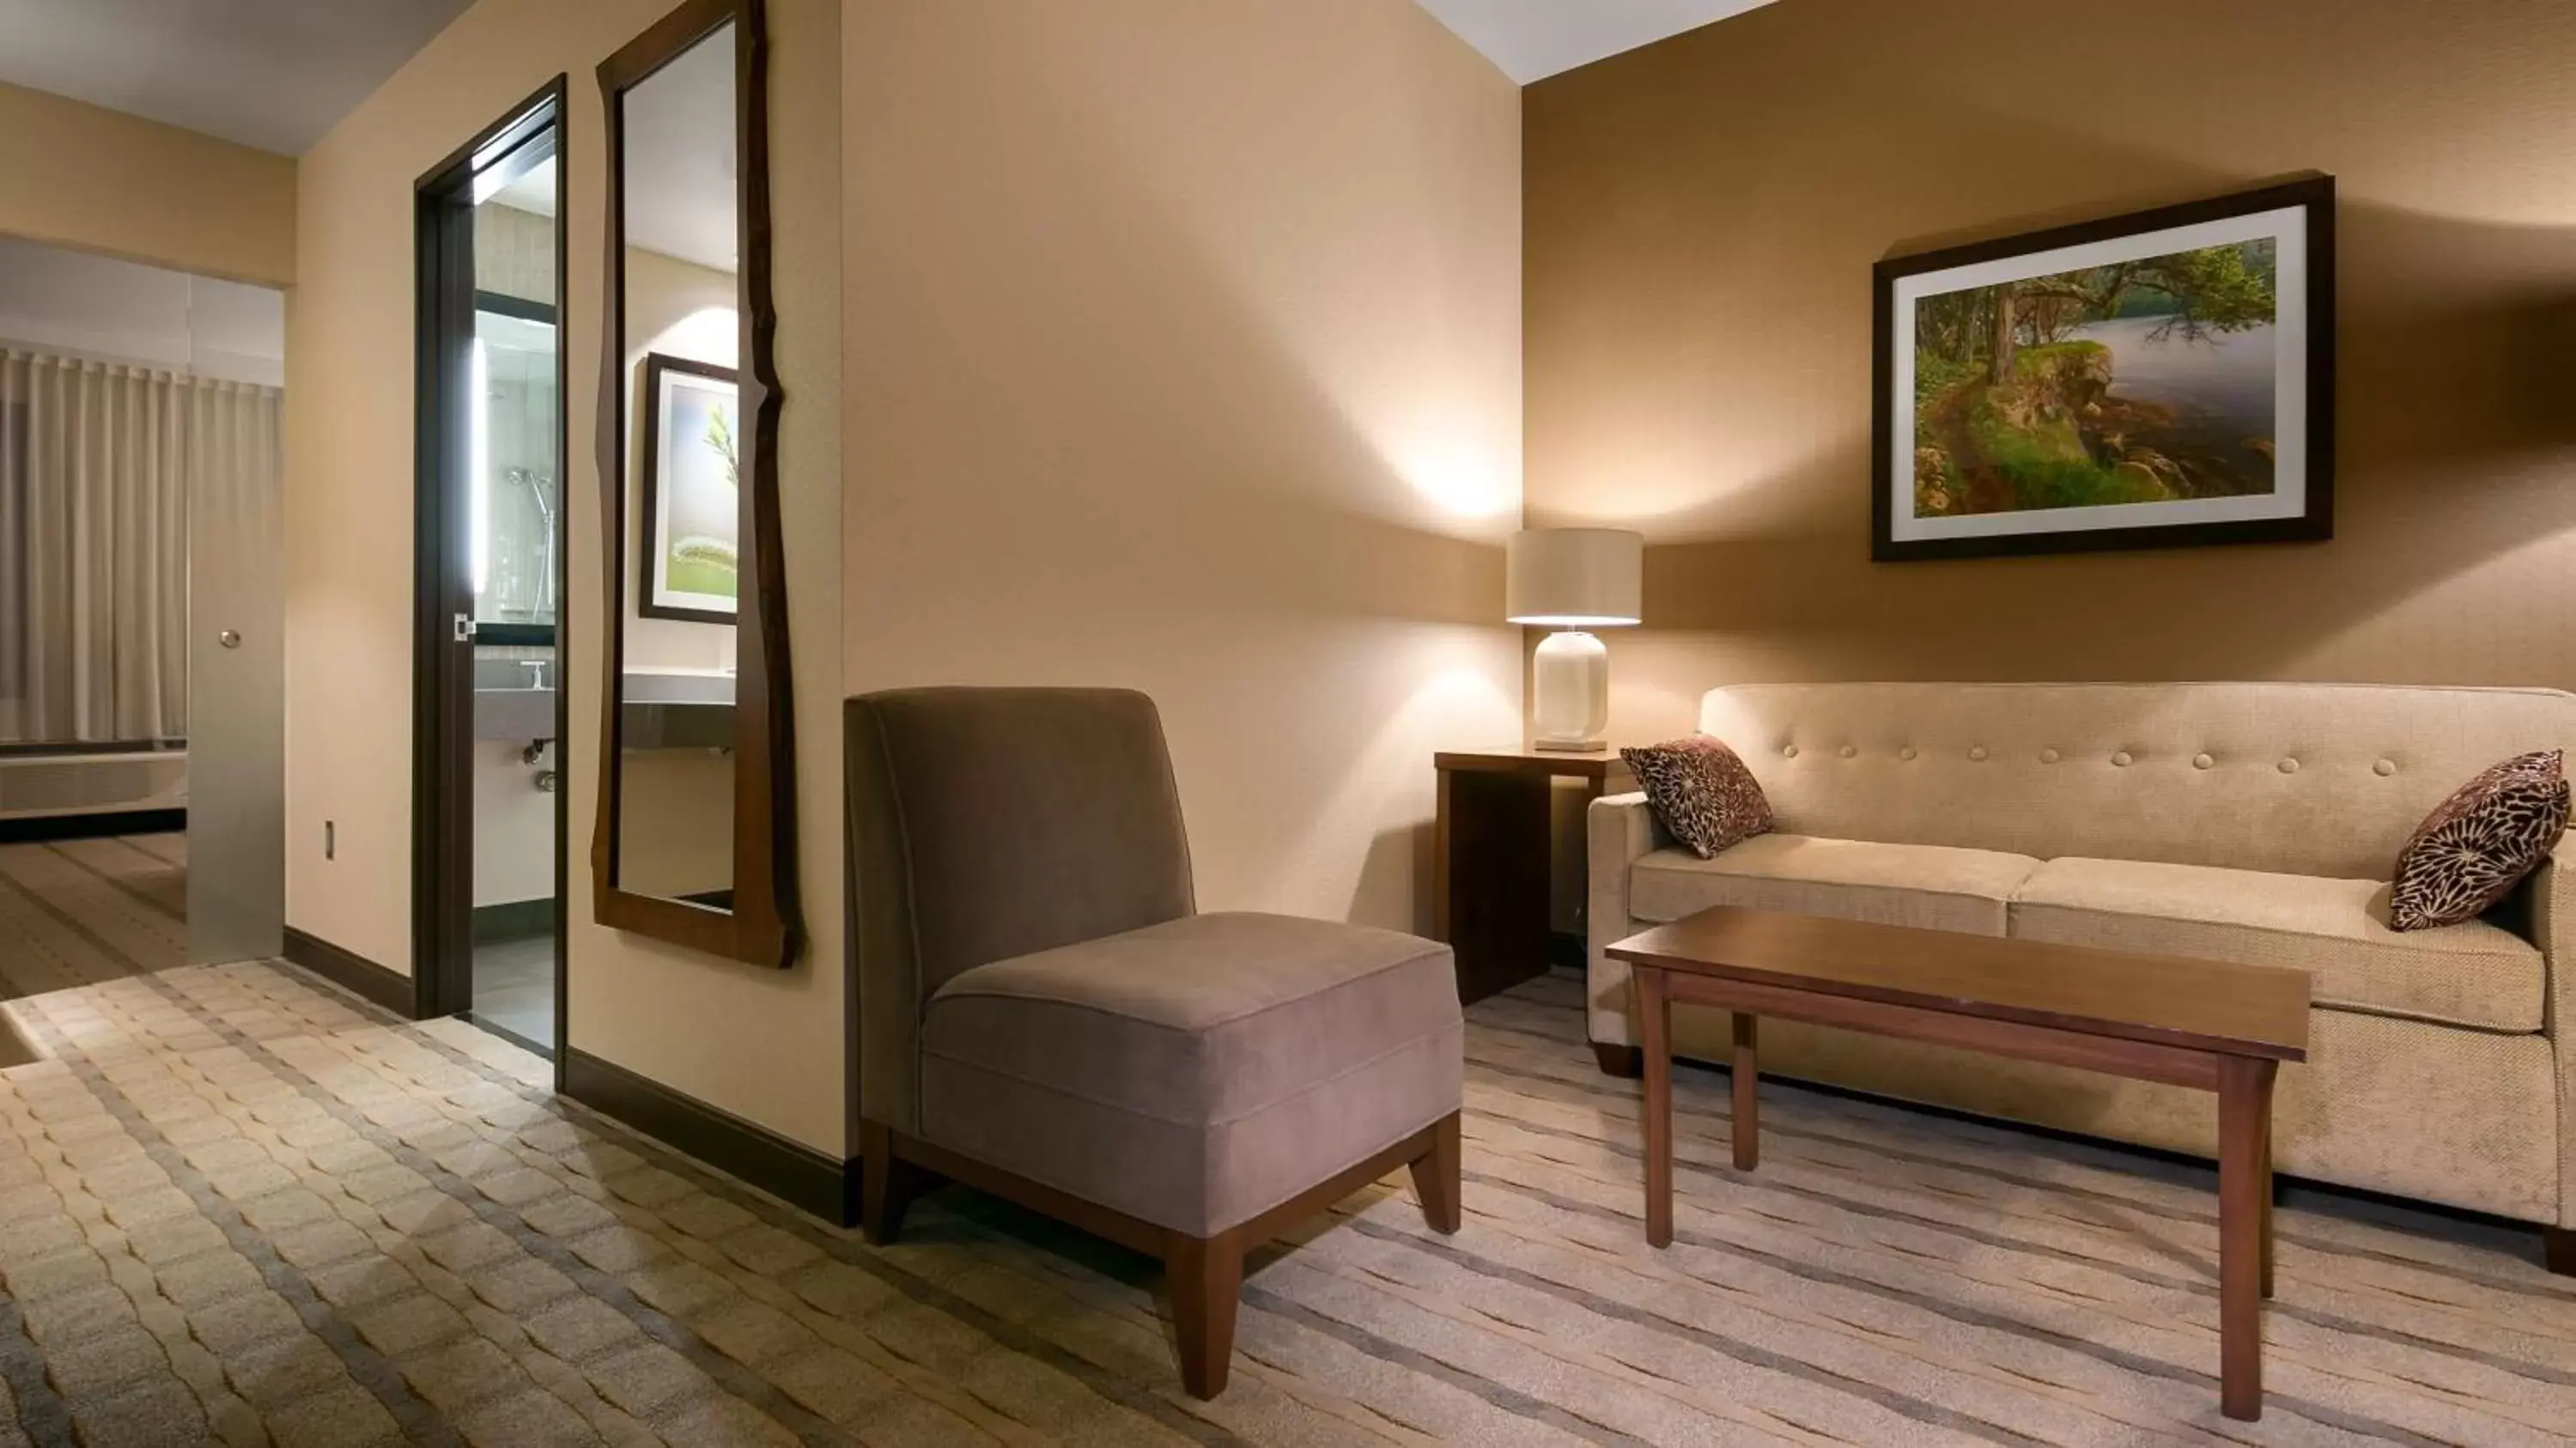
point(685, 464)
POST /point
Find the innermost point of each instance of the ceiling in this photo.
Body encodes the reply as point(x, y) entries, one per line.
point(533, 191)
point(680, 157)
point(275, 74)
point(1533, 39)
point(278, 74)
point(680, 162)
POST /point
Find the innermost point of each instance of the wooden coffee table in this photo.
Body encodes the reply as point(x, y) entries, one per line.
point(2200, 1023)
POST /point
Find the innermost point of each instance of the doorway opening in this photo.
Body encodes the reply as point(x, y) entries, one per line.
point(141, 661)
point(489, 706)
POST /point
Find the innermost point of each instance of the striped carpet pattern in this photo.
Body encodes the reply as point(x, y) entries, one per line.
point(240, 1207)
point(75, 912)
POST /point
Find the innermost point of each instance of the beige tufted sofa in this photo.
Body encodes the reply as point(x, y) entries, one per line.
point(2251, 822)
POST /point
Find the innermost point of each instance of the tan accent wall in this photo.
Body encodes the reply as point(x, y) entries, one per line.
point(765, 1045)
point(1702, 216)
point(83, 176)
point(1184, 354)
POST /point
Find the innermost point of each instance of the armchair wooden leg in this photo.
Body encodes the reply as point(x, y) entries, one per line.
point(1206, 1279)
point(2558, 1249)
point(1625, 1062)
point(1435, 1177)
point(886, 1185)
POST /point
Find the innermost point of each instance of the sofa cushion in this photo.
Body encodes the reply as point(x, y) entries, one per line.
point(1933, 886)
point(2473, 974)
point(2477, 845)
point(1701, 793)
point(1197, 1072)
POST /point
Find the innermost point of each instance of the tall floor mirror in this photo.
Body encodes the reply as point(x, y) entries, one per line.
point(695, 842)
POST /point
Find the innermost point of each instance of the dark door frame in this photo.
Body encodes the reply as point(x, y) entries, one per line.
point(442, 660)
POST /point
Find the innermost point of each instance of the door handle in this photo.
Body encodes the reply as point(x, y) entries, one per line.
point(465, 628)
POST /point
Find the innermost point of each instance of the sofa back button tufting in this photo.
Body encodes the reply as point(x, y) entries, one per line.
point(2289, 766)
point(2048, 756)
point(1848, 751)
point(1906, 753)
point(2202, 761)
point(2384, 768)
point(2121, 759)
point(1788, 751)
point(1978, 753)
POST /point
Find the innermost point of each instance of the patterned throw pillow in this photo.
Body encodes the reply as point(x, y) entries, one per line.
point(1701, 793)
point(2477, 845)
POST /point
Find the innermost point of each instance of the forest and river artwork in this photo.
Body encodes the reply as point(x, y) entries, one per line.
point(2143, 381)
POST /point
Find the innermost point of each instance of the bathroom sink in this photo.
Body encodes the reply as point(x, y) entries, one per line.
point(644, 686)
point(526, 715)
point(673, 710)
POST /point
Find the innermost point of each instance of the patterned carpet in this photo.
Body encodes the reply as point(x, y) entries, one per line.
point(240, 1207)
point(74, 912)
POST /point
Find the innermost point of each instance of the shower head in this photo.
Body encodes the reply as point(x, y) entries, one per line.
point(538, 486)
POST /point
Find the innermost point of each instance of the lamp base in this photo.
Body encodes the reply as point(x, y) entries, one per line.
point(1569, 692)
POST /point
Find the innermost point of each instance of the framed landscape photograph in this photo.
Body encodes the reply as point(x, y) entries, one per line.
point(692, 487)
point(2155, 380)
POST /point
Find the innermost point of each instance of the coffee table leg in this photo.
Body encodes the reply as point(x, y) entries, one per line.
point(2244, 1125)
point(1655, 1018)
point(2268, 1191)
point(1748, 1083)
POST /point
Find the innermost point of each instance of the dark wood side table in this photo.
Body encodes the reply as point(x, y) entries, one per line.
point(1489, 876)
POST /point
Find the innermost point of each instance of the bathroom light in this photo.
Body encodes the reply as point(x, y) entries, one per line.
point(478, 453)
point(1572, 580)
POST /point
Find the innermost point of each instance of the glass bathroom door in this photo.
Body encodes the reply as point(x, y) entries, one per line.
point(487, 936)
point(236, 683)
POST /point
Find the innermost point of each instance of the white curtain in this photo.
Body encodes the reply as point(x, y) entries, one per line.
point(98, 463)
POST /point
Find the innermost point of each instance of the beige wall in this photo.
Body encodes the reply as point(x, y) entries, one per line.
point(1183, 354)
point(1181, 351)
point(101, 180)
point(1702, 217)
point(765, 1045)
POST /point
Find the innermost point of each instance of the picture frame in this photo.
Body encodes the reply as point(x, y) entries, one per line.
point(691, 511)
point(2159, 379)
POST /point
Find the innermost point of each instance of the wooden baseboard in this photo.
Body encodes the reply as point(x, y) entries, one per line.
point(354, 973)
point(39, 828)
point(809, 1180)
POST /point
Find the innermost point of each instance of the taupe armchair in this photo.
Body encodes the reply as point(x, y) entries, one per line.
point(1044, 1015)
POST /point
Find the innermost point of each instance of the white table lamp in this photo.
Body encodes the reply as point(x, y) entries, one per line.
point(1573, 580)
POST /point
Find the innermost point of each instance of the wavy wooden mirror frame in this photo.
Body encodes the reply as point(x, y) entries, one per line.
point(764, 925)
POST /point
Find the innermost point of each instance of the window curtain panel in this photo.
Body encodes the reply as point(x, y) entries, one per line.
point(99, 464)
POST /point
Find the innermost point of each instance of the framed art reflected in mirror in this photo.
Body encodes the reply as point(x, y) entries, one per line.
point(692, 492)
